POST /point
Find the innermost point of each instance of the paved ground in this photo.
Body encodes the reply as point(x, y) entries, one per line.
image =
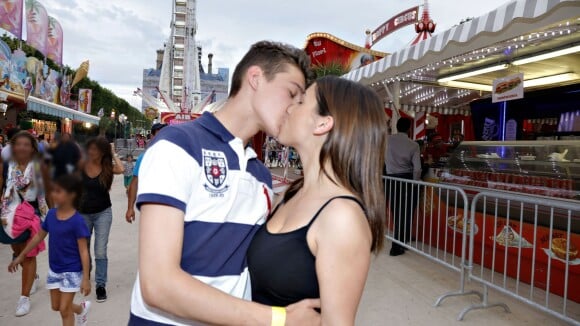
point(400, 291)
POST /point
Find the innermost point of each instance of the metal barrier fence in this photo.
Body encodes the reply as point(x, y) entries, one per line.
point(521, 245)
point(429, 219)
point(525, 247)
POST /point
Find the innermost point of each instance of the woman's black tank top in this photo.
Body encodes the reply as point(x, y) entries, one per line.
point(282, 268)
point(96, 197)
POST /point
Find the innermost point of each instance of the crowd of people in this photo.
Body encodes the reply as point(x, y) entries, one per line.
point(61, 189)
point(211, 232)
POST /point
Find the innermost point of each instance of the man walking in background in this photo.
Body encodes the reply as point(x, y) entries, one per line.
point(403, 160)
point(66, 156)
point(134, 184)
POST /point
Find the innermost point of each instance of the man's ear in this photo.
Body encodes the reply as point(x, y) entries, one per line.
point(324, 125)
point(253, 76)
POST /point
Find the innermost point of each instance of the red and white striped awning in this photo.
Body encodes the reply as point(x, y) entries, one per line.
point(508, 21)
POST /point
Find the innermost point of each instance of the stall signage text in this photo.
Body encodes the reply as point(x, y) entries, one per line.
point(508, 88)
point(407, 17)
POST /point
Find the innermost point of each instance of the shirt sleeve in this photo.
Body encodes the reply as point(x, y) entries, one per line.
point(167, 172)
point(417, 168)
point(137, 165)
point(45, 223)
point(81, 231)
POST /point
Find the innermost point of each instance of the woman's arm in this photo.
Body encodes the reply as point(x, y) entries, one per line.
point(131, 199)
point(341, 241)
point(176, 292)
point(84, 252)
point(13, 267)
point(118, 166)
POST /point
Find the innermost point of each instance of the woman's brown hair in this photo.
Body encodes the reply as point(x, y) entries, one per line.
point(103, 146)
point(354, 147)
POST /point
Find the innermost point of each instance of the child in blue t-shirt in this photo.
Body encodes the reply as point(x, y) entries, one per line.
point(68, 254)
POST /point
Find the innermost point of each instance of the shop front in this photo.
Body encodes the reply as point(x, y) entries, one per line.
point(31, 94)
point(509, 75)
point(62, 119)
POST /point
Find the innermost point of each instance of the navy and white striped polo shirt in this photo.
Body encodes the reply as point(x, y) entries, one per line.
point(225, 193)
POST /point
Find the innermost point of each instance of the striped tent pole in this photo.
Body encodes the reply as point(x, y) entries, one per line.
point(420, 130)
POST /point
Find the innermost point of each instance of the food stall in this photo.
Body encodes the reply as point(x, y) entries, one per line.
point(458, 69)
point(46, 128)
point(546, 168)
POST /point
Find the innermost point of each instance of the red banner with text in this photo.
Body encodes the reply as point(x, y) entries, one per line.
point(405, 18)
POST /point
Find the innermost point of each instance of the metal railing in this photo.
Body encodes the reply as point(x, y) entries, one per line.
point(524, 246)
point(418, 222)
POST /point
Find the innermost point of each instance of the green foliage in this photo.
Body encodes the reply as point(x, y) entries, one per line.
point(102, 97)
point(106, 99)
point(334, 68)
point(104, 124)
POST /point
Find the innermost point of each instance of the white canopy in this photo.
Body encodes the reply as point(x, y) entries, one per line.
point(511, 20)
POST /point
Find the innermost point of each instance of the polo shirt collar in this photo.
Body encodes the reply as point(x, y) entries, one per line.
point(213, 125)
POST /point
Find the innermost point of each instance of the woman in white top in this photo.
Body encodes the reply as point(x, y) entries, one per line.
point(26, 178)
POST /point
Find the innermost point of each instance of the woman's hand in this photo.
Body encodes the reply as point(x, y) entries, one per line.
point(86, 286)
point(13, 267)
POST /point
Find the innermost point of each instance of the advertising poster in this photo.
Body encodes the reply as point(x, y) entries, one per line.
point(85, 100)
point(11, 16)
point(36, 25)
point(405, 18)
point(325, 49)
point(508, 88)
point(55, 41)
point(13, 75)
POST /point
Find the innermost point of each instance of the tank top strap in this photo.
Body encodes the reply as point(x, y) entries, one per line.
point(330, 201)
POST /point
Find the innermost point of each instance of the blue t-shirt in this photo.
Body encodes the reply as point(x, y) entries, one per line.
point(137, 165)
point(63, 248)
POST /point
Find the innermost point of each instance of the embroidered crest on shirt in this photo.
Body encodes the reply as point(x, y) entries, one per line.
point(215, 165)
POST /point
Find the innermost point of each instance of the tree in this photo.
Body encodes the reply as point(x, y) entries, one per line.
point(333, 68)
point(104, 124)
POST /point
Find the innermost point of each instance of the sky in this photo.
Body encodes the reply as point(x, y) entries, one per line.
point(120, 37)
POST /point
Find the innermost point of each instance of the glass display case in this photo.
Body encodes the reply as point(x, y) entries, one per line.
point(548, 168)
point(507, 231)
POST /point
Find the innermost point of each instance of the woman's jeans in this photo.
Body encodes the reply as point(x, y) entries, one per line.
point(100, 225)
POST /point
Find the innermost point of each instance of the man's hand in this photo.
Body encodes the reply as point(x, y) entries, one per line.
point(130, 215)
point(86, 287)
point(303, 314)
